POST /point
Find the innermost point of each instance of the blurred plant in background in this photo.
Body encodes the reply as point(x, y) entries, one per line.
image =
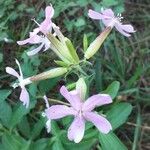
point(122, 59)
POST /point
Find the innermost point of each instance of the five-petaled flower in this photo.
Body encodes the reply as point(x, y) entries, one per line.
point(45, 27)
point(82, 112)
point(110, 20)
point(24, 96)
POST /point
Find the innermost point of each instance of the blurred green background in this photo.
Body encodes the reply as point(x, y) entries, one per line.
point(123, 59)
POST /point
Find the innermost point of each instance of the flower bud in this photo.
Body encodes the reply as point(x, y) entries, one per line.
point(81, 88)
point(49, 74)
point(96, 44)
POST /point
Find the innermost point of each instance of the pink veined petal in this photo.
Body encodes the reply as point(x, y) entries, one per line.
point(49, 12)
point(128, 28)
point(94, 15)
point(96, 100)
point(108, 13)
point(76, 130)
point(24, 97)
point(100, 122)
point(59, 111)
point(35, 51)
point(11, 71)
point(72, 97)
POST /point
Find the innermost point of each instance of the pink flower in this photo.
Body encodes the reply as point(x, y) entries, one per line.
point(36, 39)
point(110, 20)
point(24, 96)
point(45, 27)
point(82, 112)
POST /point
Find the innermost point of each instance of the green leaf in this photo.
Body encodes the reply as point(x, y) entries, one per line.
point(5, 113)
point(38, 128)
point(4, 94)
point(40, 144)
point(19, 112)
point(1, 57)
point(111, 142)
point(118, 114)
point(24, 127)
point(113, 89)
point(83, 145)
point(15, 142)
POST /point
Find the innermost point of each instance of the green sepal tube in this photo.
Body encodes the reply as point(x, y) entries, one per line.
point(56, 72)
point(96, 44)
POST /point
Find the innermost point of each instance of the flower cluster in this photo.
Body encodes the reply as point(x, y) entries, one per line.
point(79, 107)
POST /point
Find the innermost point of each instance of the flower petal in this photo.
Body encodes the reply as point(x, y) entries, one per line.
point(96, 100)
point(23, 42)
point(24, 97)
point(128, 28)
point(94, 15)
point(59, 111)
point(108, 12)
point(11, 71)
point(100, 122)
point(72, 97)
point(76, 130)
point(35, 51)
point(49, 12)
point(119, 28)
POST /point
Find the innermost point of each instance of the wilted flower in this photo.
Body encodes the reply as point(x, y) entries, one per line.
point(24, 96)
point(82, 112)
point(45, 27)
point(110, 20)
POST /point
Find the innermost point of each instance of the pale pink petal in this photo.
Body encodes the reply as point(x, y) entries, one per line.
point(128, 28)
point(11, 71)
point(72, 97)
point(96, 100)
point(108, 12)
point(59, 111)
point(100, 122)
point(23, 42)
point(49, 12)
point(76, 130)
point(107, 22)
point(46, 26)
point(119, 28)
point(35, 51)
point(94, 15)
point(24, 97)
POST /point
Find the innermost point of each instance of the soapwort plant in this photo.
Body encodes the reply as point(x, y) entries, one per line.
point(48, 36)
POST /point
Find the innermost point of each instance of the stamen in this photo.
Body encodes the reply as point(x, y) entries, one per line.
point(35, 21)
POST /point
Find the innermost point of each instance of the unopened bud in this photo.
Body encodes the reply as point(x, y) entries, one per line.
point(96, 44)
point(81, 87)
point(49, 74)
